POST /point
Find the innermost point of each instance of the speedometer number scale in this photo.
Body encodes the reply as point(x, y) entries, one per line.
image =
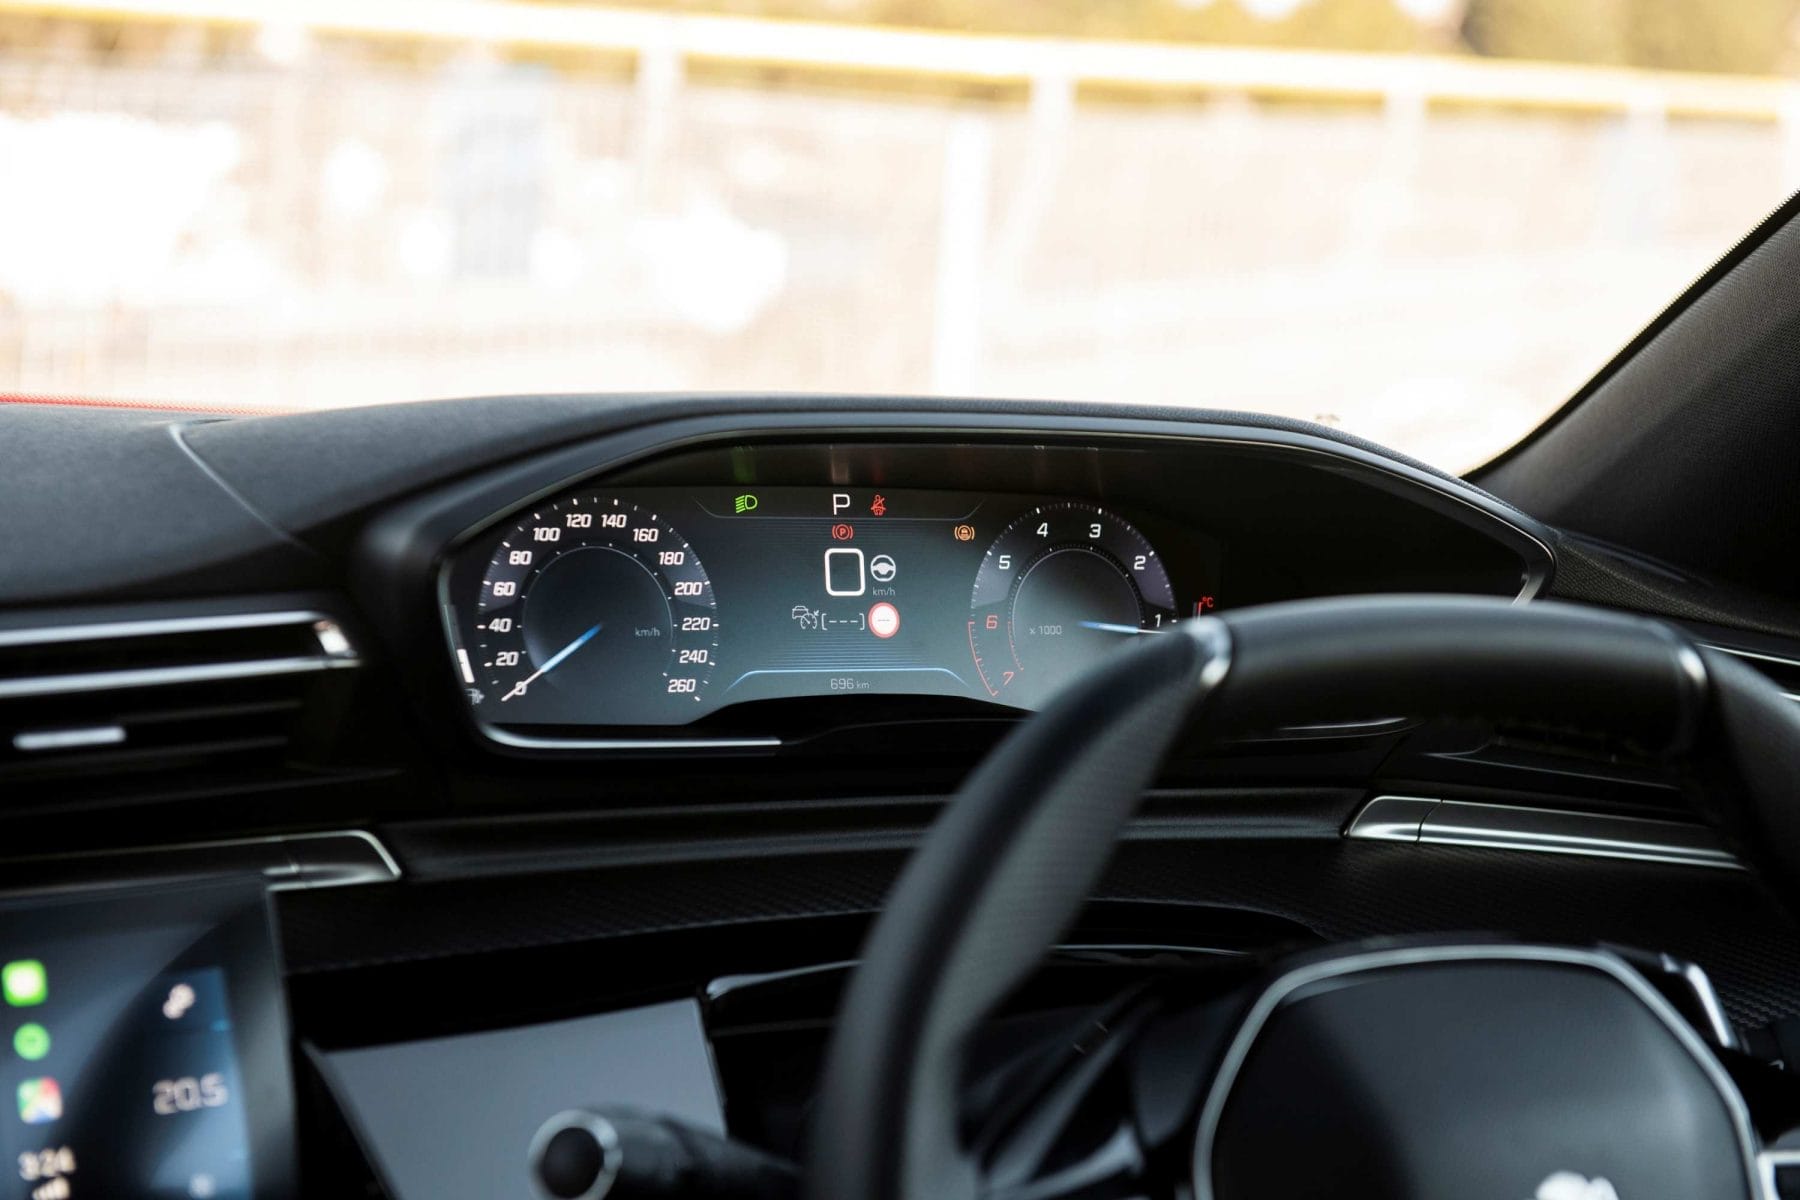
point(1060, 588)
point(591, 601)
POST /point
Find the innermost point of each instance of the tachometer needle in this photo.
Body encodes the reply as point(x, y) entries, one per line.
point(518, 689)
point(1109, 627)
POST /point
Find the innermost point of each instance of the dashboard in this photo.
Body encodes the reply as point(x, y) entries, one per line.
point(491, 691)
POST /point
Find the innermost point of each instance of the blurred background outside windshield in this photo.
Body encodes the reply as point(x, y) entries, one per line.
point(1424, 221)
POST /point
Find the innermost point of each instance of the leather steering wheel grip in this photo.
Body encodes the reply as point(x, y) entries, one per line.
point(1010, 861)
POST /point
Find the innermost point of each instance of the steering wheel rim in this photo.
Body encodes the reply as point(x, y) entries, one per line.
point(1010, 862)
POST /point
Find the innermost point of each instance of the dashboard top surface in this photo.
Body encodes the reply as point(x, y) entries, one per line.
point(196, 505)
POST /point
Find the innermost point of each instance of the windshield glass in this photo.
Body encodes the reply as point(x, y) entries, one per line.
point(1423, 221)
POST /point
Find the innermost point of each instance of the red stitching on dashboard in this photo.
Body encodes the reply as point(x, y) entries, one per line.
point(143, 405)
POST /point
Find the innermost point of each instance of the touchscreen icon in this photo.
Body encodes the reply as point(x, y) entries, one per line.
point(31, 1041)
point(24, 982)
point(181, 998)
point(40, 1101)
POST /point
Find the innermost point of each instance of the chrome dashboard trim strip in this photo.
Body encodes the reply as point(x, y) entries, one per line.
point(1735, 652)
point(1428, 821)
point(1390, 819)
point(674, 743)
point(1759, 1174)
point(1345, 728)
point(287, 862)
point(323, 870)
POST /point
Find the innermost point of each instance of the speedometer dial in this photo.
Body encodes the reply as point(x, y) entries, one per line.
point(595, 610)
point(1061, 587)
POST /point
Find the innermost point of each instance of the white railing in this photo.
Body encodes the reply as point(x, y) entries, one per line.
point(979, 57)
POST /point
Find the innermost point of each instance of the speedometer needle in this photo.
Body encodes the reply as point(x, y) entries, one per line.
point(551, 664)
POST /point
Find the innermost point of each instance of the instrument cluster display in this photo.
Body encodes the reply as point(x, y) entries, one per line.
point(662, 606)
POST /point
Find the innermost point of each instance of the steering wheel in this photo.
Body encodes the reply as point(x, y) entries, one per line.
point(1479, 1071)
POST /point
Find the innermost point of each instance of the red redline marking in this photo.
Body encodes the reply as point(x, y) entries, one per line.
point(978, 671)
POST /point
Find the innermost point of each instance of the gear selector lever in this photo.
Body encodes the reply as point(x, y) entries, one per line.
point(617, 1154)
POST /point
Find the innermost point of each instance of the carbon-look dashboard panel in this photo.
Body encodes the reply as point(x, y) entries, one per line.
point(1339, 890)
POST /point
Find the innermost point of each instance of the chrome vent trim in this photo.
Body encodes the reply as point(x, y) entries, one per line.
point(334, 652)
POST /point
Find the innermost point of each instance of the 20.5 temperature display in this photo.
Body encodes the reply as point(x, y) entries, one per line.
point(666, 606)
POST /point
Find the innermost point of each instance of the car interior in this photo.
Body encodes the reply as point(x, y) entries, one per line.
point(779, 795)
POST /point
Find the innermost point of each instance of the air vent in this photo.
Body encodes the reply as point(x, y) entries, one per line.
point(167, 707)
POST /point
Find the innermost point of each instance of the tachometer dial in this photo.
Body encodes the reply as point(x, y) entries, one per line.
point(588, 604)
point(1062, 586)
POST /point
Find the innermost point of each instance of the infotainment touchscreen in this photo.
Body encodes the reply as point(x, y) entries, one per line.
point(144, 1046)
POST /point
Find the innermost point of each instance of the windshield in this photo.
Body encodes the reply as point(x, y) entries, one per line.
point(1422, 221)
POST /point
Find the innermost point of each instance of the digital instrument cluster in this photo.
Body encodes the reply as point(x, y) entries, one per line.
point(660, 606)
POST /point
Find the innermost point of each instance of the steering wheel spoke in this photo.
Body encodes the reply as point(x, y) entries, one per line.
point(1102, 1104)
point(1114, 1170)
point(1040, 1095)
